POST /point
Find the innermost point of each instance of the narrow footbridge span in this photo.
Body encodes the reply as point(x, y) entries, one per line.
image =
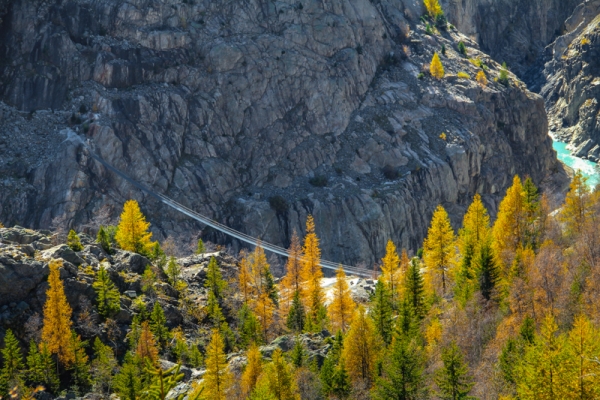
point(216, 225)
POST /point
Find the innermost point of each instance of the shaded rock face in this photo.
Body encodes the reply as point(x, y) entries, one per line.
point(515, 31)
point(572, 90)
point(226, 106)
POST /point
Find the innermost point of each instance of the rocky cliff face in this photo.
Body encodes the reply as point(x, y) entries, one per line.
point(515, 31)
point(257, 114)
point(572, 90)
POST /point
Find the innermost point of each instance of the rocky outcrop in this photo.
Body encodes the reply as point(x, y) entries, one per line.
point(572, 90)
point(515, 31)
point(256, 114)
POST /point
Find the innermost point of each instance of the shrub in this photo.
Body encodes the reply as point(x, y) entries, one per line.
point(585, 41)
point(437, 69)
point(390, 172)
point(433, 8)
point(73, 241)
point(481, 79)
point(443, 49)
point(503, 78)
point(428, 29)
point(463, 75)
point(441, 22)
point(318, 181)
point(462, 49)
point(421, 75)
point(443, 136)
point(278, 204)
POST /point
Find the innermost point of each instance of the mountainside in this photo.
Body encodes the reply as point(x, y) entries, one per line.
point(257, 114)
point(572, 86)
point(512, 31)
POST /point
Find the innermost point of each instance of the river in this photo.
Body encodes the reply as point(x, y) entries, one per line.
point(588, 168)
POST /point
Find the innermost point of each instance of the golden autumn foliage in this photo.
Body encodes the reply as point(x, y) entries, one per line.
point(481, 78)
point(436, 68)
point(509, 228)
point(361, 348)
point(439, 249)
point(311, 272)
point(578, 205)
point(217, 378)
point(278, 376)
point(56, 332)
point(391, 272)
point(132, 233)
point(433, 7)
point(252, 370)
point(146, 346)
point(342, 306)
point(292, 281)
point(244, 280)
point(264, 310)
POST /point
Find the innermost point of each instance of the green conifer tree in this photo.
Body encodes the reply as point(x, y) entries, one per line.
point(127, 382)
point(248, 327)
point(200, 249)
point(158, 325)
point(341, 386)
point(298, 353)
point(270, 286)
point(73, 241)
point(214, 279)
point(12, 357)
point(104, 366)
point(403, 368)
point(80, 368)
point(414, 288)
point(41, 368)
point(103, 239)
point(381, 312)
point(487, 270)
point(453, 378)
point(296, 315)
point(173, 272)
point(109, 299)
point(161, 382)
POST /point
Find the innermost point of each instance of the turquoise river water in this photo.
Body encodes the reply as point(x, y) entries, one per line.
point(588, 168)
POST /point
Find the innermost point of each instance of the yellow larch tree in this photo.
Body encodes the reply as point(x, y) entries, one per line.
point(132, 233)
point(481, 78)
point(258, 263)
point(361, 348)
point(252, 370)
point(56, 331)
point(311, 272)
point(218, 378)
point(244, 280)
point(509, 229)
point(578, 205)
point(433, 7)
point(278, 376)
point(583, 349)
point(146, 346)
point(292, 281)
point(436, 68)
point(439, 248)
point(264, 309)
point(391, 273)
point(342, 306)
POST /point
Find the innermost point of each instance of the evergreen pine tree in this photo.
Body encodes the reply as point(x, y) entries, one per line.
point(214, 279)
point(341, 386)
point(56, 332)
point(132, 233)
point(12, 357)
point(298, 354)
point(381, 312)
point(326, 375)
point(104, 366)
point(41, 368)
point(200, 249)
point(108, 297)
point(127, 382)
point(173, 272)
point(296, 315)
point(342, 306)
point(104, 240)
point(270, 286)
point(414, 289)
point(158, 325)
point(403, 370)
point(79, 366)
point(248, 327)
point(73, 241)
point(161, 382)
point(487, 270)
point(453, 378)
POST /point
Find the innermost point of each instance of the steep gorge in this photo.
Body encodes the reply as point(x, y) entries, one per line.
point(233, 108)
